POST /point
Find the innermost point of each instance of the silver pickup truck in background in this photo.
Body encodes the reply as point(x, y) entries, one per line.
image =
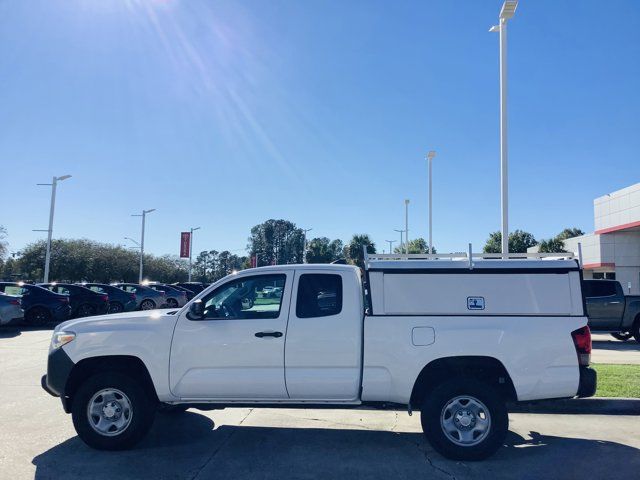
point(610, 310)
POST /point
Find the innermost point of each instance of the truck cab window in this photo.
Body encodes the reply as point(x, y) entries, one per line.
point(319, 295)
point(259, 296)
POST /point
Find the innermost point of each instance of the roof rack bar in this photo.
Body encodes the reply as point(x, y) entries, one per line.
point(470, 256)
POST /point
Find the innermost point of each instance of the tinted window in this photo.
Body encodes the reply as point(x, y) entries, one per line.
point(599, 288)
point(258, 296)
point(95, 288)
point(319, 295)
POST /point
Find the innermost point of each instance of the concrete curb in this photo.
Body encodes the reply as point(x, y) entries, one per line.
point(589, 406)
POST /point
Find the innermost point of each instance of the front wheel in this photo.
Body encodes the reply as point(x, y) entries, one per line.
point(37, 317)
point(147, 305)
point(624, 336)
point(465, 419)
point(115, 307)
point(111, 411)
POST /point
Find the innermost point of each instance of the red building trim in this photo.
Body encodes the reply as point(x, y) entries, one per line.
point(591, 266)
point(624, 226)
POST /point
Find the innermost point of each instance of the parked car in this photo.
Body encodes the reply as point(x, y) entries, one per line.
point(84, 302)
point(174, 297)
point(189, 293)
point(146, 298)
point(40, 305)
point(10, 309)
point(119, 300)
point(610, 310)
point(195, 287)
point(454, 339)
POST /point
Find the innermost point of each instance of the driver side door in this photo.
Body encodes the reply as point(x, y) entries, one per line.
point(235, 351)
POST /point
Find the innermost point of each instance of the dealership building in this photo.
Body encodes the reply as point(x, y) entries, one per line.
point(613, 249)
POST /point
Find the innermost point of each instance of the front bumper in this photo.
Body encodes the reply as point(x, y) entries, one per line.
point(588, 382)
point(59, 367)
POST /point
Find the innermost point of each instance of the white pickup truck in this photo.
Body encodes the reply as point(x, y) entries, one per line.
point(454, 338)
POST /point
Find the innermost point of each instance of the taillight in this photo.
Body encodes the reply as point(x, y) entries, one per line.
point(582, 342)
point(133, 296)
point(64, 299)
point(14, 302)
point(105, 298)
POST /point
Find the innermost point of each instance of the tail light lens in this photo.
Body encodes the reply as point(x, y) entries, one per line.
point(133, 296)
point(582, 342)
point(105, 298)
point(15, 302)
point(64, 299)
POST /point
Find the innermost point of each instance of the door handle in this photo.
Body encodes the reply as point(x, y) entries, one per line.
point(269, 334)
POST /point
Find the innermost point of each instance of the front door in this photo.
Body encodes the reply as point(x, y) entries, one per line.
point(236, 349)
point(605, 304)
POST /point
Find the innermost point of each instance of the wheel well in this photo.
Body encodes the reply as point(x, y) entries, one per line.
point(486, 369)
point(129, 365)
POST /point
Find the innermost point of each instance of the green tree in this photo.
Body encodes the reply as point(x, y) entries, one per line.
point(354, 251)
point(553, 245)
point(323, 250)
point(519, 241)
point(569, 233)
point(276, 242)
point(3, 243)
point(417, 245)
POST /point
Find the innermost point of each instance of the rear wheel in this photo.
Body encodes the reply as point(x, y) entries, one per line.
point(112, 411)
point(37, 317)
point(116, 307)
point(147, 305)
point(622, 335)
point(85, 310)
point(465, 419)
point(172, 303)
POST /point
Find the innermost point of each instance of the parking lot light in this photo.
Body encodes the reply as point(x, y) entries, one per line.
point(144, 217)
point(47, 258)
point(191, 248)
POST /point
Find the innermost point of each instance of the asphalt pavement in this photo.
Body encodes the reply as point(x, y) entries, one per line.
point(37, 439)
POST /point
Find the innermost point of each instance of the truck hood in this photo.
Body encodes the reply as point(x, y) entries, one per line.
point(147, 317)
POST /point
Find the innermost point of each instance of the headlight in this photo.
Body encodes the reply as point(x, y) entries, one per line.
point(61, 338)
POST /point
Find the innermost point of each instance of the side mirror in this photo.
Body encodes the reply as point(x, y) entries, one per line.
point(196, 310)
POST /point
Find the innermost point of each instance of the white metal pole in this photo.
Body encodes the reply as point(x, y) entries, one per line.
point(406, 226)
point(391, 242)
point(144, 216)
point(430, 210)
point(47, 258)
point(504, 161)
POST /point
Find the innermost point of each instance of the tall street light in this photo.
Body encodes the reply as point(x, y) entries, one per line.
point(144, 218)
point(406, 226)
point(192, 229)
point(507, 11)
point(401, 242)
point(430, 156)
point(391, 242)
point(47, 257)
point(304, 244)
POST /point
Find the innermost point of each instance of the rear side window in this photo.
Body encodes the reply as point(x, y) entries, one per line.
point(597, 288)
point(319, 295)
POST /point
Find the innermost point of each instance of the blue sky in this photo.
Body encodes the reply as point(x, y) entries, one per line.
point(224, 114)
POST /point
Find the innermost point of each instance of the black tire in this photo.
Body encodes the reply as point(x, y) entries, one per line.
point(635, 330)
point(142, 411)
point(37, 317)
point(439, 398)
point(624, 336)
point(85, 310)
point(172, 303)
point(147, 305)
point(116, 307)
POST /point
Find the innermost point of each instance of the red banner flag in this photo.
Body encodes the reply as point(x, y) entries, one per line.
point(185, 244)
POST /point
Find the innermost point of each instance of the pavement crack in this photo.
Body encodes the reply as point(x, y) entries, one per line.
point(395, 422)
point(437, 468)
point(224, 443)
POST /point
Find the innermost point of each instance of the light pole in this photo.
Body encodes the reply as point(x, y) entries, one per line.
point(401, 243)
point(47, 257)
point(191, 248)
point(144, 217)
point(304, 244)
point(391, 242)
point(406, 226)
point(507, 11)
point(430, 156)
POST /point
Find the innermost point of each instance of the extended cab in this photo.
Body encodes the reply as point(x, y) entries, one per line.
point(453, 338)
point(610, 310)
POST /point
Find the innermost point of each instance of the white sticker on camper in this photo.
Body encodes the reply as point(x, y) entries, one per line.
point(475, 303)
